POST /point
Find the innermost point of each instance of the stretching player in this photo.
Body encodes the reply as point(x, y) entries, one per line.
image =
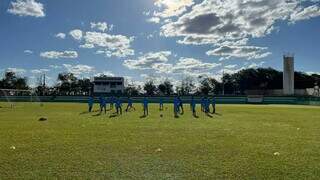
point(145, 107)
point(161, 104)
point(103, 104)
point(180, 105)
point(130, 105)
point(213, 103)
point(90, 103)
point(193, 106)
point(176, 106)
point(118, 106)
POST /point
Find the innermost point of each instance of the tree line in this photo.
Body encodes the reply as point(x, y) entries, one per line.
point(230, 84)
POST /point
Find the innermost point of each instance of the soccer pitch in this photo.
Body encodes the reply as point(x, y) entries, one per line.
point(240, 142)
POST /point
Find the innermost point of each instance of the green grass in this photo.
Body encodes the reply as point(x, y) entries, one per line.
point(238, 143)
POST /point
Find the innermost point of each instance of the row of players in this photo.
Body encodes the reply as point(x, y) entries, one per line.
point(205, 103)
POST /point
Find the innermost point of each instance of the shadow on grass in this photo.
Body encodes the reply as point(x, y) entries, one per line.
point(195, 116)
point(96, 115)
point(143, 116)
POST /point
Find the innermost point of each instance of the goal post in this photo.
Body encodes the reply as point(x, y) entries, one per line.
point(12, 97)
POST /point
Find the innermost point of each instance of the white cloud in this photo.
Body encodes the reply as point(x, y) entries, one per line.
point(305, 13)
point(27, 8)
point(60, 35)
point(248, 52)
point(231, 66)
point(80, 69)
point(154, 20)
point(148, 61)
point(76, 34)
point(159, 63)
point(59, 55)
point(169, 8)
point(193, 66)
point(39, 71)
point(105, 73)
point(18, 71)
point(28, 51)
point(110, 45)
point(232, 23)
point(101, 26)
point(55, 66)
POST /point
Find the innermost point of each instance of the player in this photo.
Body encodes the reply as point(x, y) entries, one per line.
point(90, 103)
point(213, 103)
point(176, 106)
point(103, 104)
point(111, 101)
point(145, 107)
point(130, 105)
point(161, 104)
point(206, 105)
point(118, 105)
point(180, 105)
point(202, 104)
point(193, 106)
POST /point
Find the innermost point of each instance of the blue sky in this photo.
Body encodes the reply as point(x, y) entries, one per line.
point(156, 39)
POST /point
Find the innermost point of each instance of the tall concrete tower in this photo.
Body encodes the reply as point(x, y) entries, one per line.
point(288, 75)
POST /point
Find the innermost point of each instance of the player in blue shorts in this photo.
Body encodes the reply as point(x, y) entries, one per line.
point(161, 104)
point(206, 105)
point(111, 101)
point(130, 105)
point(90, 103)
point(193, 106)
point(202, 104)
point(213, 103)
point(145, 107)
point(118, 105)
point(103, 104)
point(176, 106)
point(180, 106)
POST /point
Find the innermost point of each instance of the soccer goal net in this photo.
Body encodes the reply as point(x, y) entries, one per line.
point(15, 97)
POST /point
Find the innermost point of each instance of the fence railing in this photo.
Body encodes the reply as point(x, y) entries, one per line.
point(186, 99)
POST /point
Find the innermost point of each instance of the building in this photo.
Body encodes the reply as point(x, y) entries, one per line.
point(108, 85)
point(288, 75)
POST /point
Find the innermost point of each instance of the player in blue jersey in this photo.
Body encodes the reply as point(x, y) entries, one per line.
point(202, 104)
point(130, 105)
point(176, 106)
point(180, 105)
point(90, 103)
point(145, 107)
point(161, 104)
point(111, 101)
point(103, 104)
point(206, 105)
point(213, 103)
point(118, 105)
point(193, 106)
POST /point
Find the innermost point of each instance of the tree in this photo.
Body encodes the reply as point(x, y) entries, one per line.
point(12, 81)
point(131, 90)
point(186, 87)
point(150, 88)
point(166, 88)
point(67, 84)
point(210, 86)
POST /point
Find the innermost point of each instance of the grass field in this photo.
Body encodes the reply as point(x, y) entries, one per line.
point(241, 142)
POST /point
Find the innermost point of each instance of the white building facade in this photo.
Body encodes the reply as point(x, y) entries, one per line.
point(108, 85)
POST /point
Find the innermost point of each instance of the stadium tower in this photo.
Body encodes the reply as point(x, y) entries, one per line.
point(288, 75)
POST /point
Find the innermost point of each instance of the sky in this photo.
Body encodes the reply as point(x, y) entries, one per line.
point(156, 39)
